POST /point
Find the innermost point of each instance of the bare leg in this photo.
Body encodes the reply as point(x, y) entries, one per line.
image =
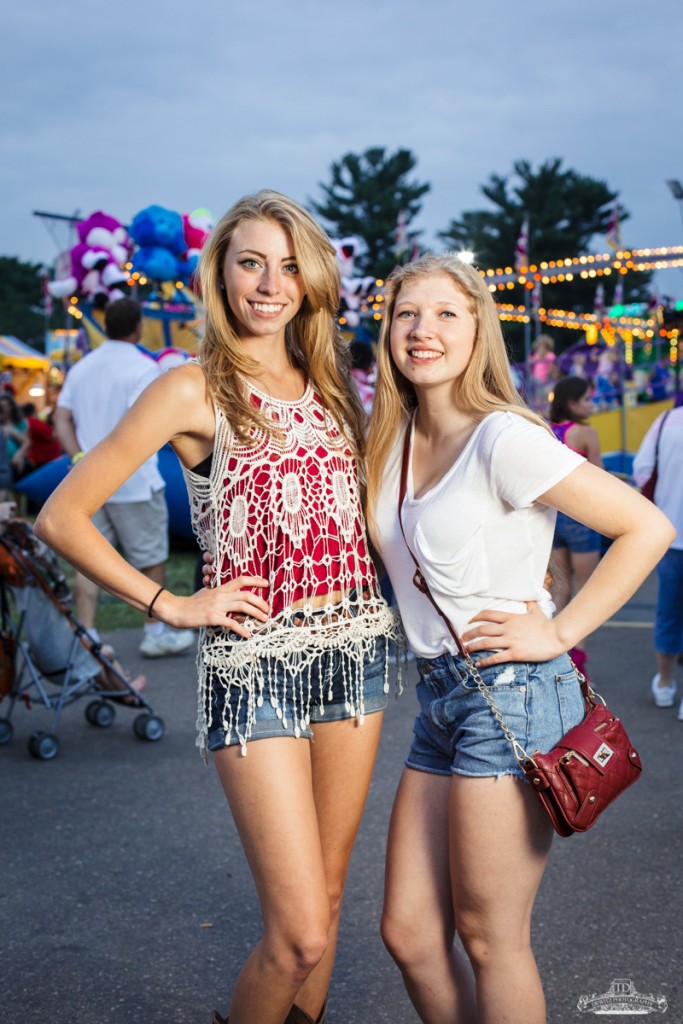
point(87, 594)
point(666, 666)
point(500, 842)
point(109, 680)
point(418, 925)
point(343, 756)
point(156, 573)
point(270, 793)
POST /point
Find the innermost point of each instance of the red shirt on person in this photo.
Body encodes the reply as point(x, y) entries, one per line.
point(43, 446)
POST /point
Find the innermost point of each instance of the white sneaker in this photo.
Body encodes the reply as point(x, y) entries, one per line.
point(663, 695)
point(680, 712)
point(170, 641)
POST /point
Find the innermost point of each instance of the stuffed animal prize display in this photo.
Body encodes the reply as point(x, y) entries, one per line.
point(97, 262)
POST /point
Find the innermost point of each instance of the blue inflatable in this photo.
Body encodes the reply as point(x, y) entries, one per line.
point(619, 462)
point(40, 484)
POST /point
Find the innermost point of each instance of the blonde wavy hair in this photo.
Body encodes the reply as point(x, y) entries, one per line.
point(486, 385)
point(312, 338)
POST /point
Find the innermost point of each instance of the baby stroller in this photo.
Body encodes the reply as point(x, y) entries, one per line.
point(47, 656)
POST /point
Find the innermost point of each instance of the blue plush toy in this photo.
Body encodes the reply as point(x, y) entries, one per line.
point(159, 234)
point(157, 226)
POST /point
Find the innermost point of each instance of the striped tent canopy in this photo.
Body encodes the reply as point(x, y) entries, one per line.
point(15, 353)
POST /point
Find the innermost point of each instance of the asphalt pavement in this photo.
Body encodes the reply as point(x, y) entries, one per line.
point(125, 897)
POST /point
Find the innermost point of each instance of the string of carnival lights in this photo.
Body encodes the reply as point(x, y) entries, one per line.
point(559, 271)
point(580, 321)
point(584, 267)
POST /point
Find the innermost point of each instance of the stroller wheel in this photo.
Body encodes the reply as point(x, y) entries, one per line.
point(99, 713)
point(149, 727)
point(6, 731)
point(43, 745)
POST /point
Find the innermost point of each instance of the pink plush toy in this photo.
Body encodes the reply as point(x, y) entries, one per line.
point(197, 226)
point(100, 231)
point(97, 272)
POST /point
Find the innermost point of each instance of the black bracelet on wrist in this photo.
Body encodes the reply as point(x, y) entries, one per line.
point(152, 602)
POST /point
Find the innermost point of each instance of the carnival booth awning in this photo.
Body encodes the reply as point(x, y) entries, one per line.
point(15, 353)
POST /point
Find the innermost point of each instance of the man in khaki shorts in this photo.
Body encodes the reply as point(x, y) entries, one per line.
point(97, 392)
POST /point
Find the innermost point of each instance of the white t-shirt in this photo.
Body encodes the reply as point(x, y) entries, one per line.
point(481, 539)
point(669, 489)
point(98, 391)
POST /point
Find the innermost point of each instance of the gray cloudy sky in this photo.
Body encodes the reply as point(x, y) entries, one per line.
point(115, 106)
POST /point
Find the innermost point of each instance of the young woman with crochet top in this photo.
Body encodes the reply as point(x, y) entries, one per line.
point(481, 478)
point(294, 632)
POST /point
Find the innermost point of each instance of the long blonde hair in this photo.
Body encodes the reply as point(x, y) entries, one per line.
point(486, 385)
point(312, 337)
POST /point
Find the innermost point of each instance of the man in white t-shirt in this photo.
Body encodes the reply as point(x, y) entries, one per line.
point(97, 393)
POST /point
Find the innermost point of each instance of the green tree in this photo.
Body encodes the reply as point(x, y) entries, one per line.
point(565, 210)
point(367, 194)
point(21, 297)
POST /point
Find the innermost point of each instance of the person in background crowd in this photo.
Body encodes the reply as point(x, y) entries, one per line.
point(543, 359)
point(14, 423)
point(97, 393)
point(668, 638)
point(576, 548)
point(607, 392)
point(6, 475)
point(40, 445)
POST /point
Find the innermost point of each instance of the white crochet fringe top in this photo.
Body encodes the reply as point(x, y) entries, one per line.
point(286, 507)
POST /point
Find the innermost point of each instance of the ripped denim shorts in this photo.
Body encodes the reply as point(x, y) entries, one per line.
point(456, 732)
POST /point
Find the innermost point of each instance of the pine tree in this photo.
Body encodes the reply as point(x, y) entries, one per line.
point(21, 296)
point(565, 210)
point(367, 194)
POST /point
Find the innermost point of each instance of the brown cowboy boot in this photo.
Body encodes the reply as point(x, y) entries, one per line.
point(298, 1016)
point(295, 1016)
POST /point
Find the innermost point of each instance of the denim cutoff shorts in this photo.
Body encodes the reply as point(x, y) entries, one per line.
point(456, 732)
point(575, 536)
point(327, 675)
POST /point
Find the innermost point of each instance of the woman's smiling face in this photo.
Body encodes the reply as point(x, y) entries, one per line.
point(432, 331)
point(261, 279)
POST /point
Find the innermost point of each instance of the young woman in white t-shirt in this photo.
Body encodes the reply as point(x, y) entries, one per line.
point(469, 841)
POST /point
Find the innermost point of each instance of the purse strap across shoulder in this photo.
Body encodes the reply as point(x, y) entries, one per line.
point(659, 437)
